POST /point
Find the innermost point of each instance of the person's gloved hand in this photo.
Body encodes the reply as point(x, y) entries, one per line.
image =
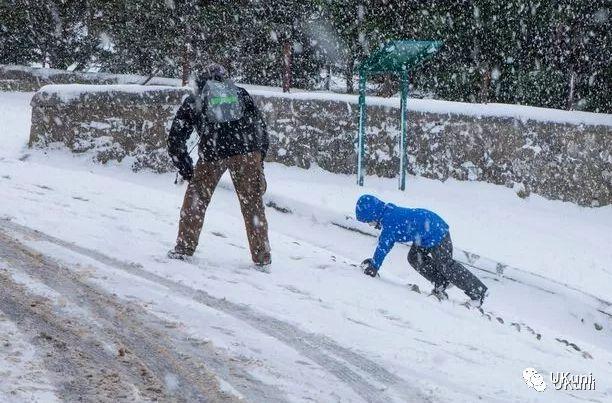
point(185, 168)
point(368, 268)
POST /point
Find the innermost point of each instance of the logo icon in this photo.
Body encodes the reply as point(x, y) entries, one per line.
point(534, 380)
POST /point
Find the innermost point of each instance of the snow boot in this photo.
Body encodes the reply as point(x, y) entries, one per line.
point(475, 302)
point(440, 293)
point(264, 268)
point(174, 254)
point(414, 288)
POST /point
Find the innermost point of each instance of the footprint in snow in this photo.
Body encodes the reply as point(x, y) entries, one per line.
point(223, 330)
point(358, 322)
point(36, 192)
point(293, 289)
point(121, 209)
point(152, 233)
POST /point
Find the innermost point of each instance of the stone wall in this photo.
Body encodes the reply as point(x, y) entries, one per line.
point(563, 161)
point(118, 122)
point(566, 161)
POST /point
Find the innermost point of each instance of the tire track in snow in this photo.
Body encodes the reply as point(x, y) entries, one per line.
point(154, 364)
point(344, 363)
point(74, 361)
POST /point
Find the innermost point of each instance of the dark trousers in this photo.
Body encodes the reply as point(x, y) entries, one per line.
point(436, 264)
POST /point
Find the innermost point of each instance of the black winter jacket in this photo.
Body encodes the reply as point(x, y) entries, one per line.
point(217, 140)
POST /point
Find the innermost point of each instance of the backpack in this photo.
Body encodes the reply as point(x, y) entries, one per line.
point(223, 103)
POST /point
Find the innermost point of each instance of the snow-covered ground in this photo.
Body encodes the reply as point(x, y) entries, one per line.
point(21, 372)
point(316, 328)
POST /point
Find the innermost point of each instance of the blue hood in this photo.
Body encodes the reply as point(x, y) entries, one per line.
point(369, 208)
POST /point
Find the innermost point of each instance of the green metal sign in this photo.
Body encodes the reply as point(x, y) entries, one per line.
point(395, 57)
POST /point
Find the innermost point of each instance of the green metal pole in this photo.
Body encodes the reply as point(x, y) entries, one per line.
point(361, 134)
point(404, 129)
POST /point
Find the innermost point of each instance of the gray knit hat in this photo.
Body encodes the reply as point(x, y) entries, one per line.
point(211, 71)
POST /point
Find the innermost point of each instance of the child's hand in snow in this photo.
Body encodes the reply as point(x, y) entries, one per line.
point(368, 268)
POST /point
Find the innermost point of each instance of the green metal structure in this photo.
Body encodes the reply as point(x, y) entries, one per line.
point(395, 57)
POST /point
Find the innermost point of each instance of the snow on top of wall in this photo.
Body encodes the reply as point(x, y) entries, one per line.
point(69, 92)
point(520, 112)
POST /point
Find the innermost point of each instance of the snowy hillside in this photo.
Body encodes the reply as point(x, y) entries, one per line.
point(91, 306)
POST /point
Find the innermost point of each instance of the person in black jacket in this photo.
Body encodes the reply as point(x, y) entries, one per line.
point(232, 136)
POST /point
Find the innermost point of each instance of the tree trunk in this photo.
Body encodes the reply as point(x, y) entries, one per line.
point(186, 56)
point(389, 85)
point(328, 78)
point(572, 86)
point(286, 66)
point(348, 74)
point(186, 65)
point(485, 84)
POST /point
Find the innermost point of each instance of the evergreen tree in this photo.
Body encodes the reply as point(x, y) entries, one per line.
point(536, 52)
point(53, 33)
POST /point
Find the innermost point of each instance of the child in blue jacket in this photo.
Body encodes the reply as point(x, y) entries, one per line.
point(431, 253)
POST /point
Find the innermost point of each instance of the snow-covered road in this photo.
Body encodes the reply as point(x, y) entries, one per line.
point(314, 329)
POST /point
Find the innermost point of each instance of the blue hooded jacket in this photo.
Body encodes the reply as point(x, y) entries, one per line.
point(422, 227)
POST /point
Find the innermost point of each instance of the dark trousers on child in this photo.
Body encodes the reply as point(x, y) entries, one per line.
point(436, 264)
